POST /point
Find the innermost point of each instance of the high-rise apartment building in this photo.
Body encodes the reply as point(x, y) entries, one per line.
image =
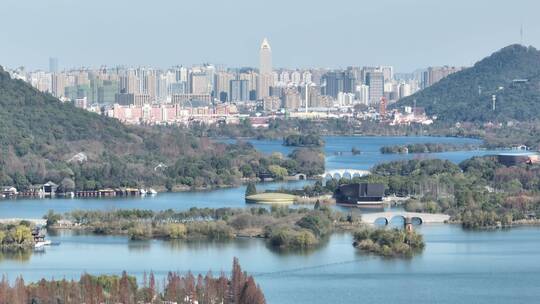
point(345, 99)
point(129, 82)
point(388, 72)
point(284, 77)
point(307, 77)
point(404, 90)
point(271, 103)
point(362, 94)
point(58, 85)
point(296, 78)
point(434, 74)
point(291, 99)
point(239, 90)
point(199, 82)
point(222, 85)
point(375, 81)
point(252, 79)
point(149, 82)
point(53, 65)
point(41, 81)
point(365, 70)
point(266, 77)
point(338, 81)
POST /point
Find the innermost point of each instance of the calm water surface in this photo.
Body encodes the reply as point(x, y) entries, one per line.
point(456, 267)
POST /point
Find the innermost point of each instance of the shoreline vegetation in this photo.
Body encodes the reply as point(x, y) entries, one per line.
point(427, 148)
point(495, 135)
point(281, 227)
point(16, 236)
point(479, 193)
point(179, 288)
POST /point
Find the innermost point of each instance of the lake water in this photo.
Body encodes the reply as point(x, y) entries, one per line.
point(456, 266)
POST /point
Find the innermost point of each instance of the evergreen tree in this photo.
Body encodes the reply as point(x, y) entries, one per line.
point(251, 189)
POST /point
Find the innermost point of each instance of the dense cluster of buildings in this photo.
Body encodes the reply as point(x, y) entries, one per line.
point(209, 93)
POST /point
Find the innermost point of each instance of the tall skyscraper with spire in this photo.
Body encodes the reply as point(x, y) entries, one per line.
point(265, 70)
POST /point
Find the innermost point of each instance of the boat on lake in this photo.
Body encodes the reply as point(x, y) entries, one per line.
point(38, 234)
point(42, 244)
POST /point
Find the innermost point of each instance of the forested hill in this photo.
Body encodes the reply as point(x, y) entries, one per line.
point(467, 95)
point(40, 135)
point(44, 139)
point(30, 119)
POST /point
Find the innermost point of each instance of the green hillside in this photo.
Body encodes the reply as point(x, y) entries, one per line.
point(467, 95)
point(43, 139)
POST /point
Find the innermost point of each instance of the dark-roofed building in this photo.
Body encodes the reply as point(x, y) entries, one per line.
point(360, 193)
point(49, 189)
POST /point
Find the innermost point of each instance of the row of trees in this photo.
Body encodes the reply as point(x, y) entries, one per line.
point(240, 288)
point(425, 148)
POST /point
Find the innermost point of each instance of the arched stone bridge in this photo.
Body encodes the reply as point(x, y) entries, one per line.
point(425, 218)
point(344, 173)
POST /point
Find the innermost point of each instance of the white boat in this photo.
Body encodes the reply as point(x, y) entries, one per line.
point(152, 191)
point(142, 191)
point(42, 244)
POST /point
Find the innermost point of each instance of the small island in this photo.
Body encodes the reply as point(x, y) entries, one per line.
point(426, 148)
point(389, 242)
point(298, 140)
point(271, 198)
point(282, 227)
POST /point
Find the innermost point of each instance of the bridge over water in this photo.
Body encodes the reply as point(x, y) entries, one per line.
point(424, 218)
point(344, 173)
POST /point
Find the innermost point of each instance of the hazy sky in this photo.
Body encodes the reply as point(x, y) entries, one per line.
point(407, 34)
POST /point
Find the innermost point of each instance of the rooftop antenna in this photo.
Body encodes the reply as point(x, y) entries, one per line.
point(521, 34)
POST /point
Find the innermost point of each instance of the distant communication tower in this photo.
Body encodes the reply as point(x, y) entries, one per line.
point(382, 107)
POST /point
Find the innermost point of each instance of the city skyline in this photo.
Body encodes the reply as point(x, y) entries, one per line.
point(207, 85)
point(306, 35)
